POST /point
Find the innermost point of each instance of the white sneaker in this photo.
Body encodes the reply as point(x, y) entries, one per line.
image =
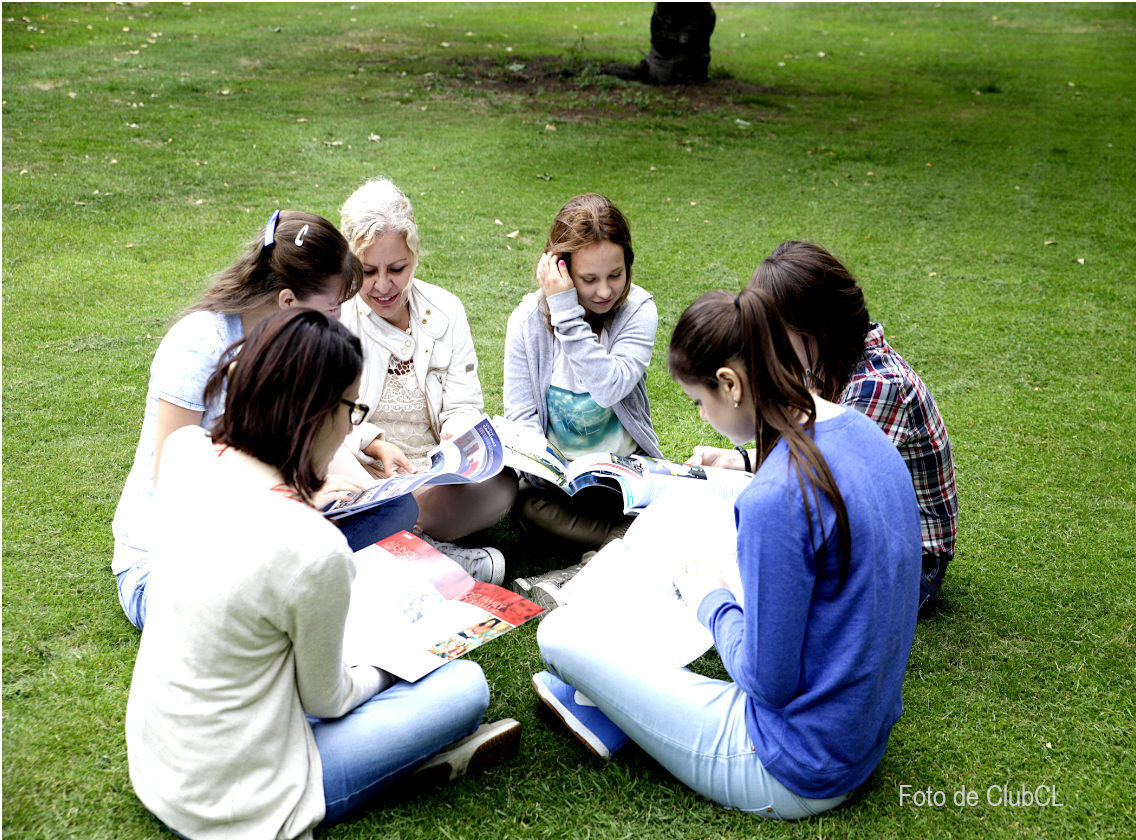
point(484, 564)
point(491, 744)
point(544, 590)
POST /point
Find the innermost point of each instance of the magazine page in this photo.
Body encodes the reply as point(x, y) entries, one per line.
point(479, 451)
point(644, 479)
point(659, 476)
point(633, 586)
point(631, 594)
point(606, 464)
point(470, 457)
point(413, 609)
point(691, 521)
point(531, 453)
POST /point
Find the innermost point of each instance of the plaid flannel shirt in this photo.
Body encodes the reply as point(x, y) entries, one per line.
point(885, 388)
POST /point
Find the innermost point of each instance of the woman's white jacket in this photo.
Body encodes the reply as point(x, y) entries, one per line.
point(440, 343)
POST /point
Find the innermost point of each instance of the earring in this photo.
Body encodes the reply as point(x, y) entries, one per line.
point(736, 405)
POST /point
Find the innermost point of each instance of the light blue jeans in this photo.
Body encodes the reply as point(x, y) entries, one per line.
point(382, 740)
point(692, 725)
point(361, 530)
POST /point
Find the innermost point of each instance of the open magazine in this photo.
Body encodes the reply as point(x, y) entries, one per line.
point(413, 609)
point(632, 587)
point(467, 458)
point(657, 624)
point(640, 478)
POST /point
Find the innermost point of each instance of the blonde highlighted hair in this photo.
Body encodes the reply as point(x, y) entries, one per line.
point(374, 210)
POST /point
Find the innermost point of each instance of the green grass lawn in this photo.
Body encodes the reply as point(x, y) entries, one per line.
point(973, 164)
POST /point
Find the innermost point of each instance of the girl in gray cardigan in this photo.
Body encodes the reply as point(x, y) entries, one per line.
point(576, 358)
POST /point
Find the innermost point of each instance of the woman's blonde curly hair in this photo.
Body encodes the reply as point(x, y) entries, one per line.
point(376, 209)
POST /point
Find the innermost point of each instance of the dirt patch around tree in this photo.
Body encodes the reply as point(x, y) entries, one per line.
point(575, 90)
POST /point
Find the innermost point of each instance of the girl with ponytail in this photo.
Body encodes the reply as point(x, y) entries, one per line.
point(296, 260)
point(848, 361)
point(828, 553)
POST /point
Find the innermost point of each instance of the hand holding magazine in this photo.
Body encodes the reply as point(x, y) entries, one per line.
point(634, 587)
point(468, 458)
point(640, 478)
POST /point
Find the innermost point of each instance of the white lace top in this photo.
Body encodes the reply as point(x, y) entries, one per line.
point(401, 413)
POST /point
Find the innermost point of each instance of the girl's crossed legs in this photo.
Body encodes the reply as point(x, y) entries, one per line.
point(692, 725)
point(382, 740)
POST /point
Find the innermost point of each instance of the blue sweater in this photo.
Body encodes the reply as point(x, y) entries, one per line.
point(823, 674)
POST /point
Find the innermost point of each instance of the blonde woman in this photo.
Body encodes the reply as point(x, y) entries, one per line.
point(419, 375)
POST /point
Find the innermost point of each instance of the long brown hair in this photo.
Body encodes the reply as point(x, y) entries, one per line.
point(747, 332)
point(308, 255)
point(817, 296)
point(587, 220)
point(288, 379)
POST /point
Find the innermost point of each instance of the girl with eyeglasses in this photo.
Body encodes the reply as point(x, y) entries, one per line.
point(296, 260)
point(243, 721)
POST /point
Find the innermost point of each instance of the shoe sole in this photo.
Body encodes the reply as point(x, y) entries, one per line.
point(496, 748)
point(595, 745)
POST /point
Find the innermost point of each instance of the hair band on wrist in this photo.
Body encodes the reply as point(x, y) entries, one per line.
point(745, 457)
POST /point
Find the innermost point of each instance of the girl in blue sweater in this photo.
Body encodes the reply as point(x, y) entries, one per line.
point(828, 554)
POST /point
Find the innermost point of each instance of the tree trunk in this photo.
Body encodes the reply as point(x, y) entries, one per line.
point(680, 43)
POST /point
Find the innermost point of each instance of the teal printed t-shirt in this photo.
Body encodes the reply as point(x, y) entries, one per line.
point(577, 424)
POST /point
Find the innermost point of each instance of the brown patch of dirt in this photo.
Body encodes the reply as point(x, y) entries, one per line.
point(572, 89)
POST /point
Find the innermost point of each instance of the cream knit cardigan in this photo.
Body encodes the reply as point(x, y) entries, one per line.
point(248, 591)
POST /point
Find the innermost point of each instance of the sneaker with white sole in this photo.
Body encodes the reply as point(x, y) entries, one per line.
point(583, 718)
point(483, 564)
point(491, 744)
point(544, 590)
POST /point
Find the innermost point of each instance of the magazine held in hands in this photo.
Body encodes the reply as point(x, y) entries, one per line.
point(413, 609)
point(650, 561)
point(640, 478)
point(468, 458)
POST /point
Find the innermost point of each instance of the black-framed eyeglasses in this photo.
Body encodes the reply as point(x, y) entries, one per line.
point(359, 411)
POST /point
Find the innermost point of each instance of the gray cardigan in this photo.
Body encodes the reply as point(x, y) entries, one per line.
point(615, 378)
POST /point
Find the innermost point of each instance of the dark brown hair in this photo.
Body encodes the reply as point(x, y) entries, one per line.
point(817, 296)
point(309, 256)
point(284, 380)
point(586, 220)
point(747, 332)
